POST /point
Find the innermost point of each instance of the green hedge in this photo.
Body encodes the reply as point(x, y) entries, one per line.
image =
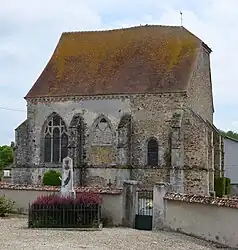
point(222, 186)
point(227, 186)
point(51, 178)
point(219, 186)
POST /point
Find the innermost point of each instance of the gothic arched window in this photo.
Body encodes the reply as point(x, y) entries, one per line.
point(55, 140)
point(152, 152)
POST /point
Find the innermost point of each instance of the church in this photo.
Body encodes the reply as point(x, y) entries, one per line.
point(124, 104)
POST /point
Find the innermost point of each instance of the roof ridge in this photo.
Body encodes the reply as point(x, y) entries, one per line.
point(126, 28)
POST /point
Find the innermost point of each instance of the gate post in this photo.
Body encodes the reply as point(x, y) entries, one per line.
point(159, 206)
point(130, 202)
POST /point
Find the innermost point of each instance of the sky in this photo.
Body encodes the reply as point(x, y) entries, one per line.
point(30, 30)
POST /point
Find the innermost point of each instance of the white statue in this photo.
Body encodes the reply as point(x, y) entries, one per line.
point(67, 184)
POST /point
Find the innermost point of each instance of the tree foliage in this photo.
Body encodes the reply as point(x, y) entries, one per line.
point(230, 134)
point(6, 156)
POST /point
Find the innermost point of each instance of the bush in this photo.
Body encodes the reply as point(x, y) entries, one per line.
point(82, 198)
point(6, 206)
point(227, 186)
point(51, 178)
point(219, 186)
point(56, 211)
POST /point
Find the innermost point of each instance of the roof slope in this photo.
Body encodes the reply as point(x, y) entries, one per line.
point(144, 59)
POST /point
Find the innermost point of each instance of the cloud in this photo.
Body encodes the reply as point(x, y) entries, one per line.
point(29, 32)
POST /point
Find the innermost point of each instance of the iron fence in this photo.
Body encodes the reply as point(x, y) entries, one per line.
point(64, 216)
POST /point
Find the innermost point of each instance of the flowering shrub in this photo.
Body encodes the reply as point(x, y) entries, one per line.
point(82, 198)
point(88, 198)
point(56, 211)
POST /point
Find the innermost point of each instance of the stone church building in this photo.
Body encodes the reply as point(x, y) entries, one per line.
point(131, 103)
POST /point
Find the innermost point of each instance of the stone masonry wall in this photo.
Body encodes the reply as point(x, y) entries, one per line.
point(218, 155)
point(200, 97)
point(196, 154)
point(21, 137)
point(210, 159)
point(151, 117)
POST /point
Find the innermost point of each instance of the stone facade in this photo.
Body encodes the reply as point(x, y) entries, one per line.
point(150, 138)
point(181, 136)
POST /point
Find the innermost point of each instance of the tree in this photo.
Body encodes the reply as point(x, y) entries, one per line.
point(6, 156)
point(230, 134)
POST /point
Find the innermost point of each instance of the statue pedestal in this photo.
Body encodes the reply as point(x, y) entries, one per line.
point(67, 193)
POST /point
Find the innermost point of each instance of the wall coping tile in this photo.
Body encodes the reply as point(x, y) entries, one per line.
point(95, 189)
point(206, 200)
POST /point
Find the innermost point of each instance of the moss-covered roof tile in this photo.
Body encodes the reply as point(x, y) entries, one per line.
point(144, 59)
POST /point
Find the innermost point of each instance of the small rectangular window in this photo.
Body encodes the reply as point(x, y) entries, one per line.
point(6, 173)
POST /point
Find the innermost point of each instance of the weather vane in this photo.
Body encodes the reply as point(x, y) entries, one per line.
point(181, 15)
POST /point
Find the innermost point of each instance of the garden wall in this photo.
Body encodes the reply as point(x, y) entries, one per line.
point(112, 199)
point(213, 219)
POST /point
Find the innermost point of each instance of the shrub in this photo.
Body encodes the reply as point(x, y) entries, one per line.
point(227, 186)
point(219, 186)
point(82, 198)
point(56, 211)
point(51, 178)
point(6, 206)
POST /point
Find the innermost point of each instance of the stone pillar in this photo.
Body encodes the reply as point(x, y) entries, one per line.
point(130, 203)
point(211, 161)
point(159, 206)
point(217, 140)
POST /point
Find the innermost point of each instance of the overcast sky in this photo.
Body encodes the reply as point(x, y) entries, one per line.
point(29, 32)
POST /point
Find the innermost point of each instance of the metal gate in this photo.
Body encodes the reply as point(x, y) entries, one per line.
point(144, 213)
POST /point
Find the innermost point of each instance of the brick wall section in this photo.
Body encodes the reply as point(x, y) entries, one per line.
point(200, 89)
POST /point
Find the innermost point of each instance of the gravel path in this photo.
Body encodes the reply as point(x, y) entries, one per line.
point(15, 235)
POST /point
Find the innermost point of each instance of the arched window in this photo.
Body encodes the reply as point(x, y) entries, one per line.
point(102, 133)
point(55, 140)
point(152, 152)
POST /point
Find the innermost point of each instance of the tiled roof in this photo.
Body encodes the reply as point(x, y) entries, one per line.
point(224, 202)
point(144, 59)
point(96, 189)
